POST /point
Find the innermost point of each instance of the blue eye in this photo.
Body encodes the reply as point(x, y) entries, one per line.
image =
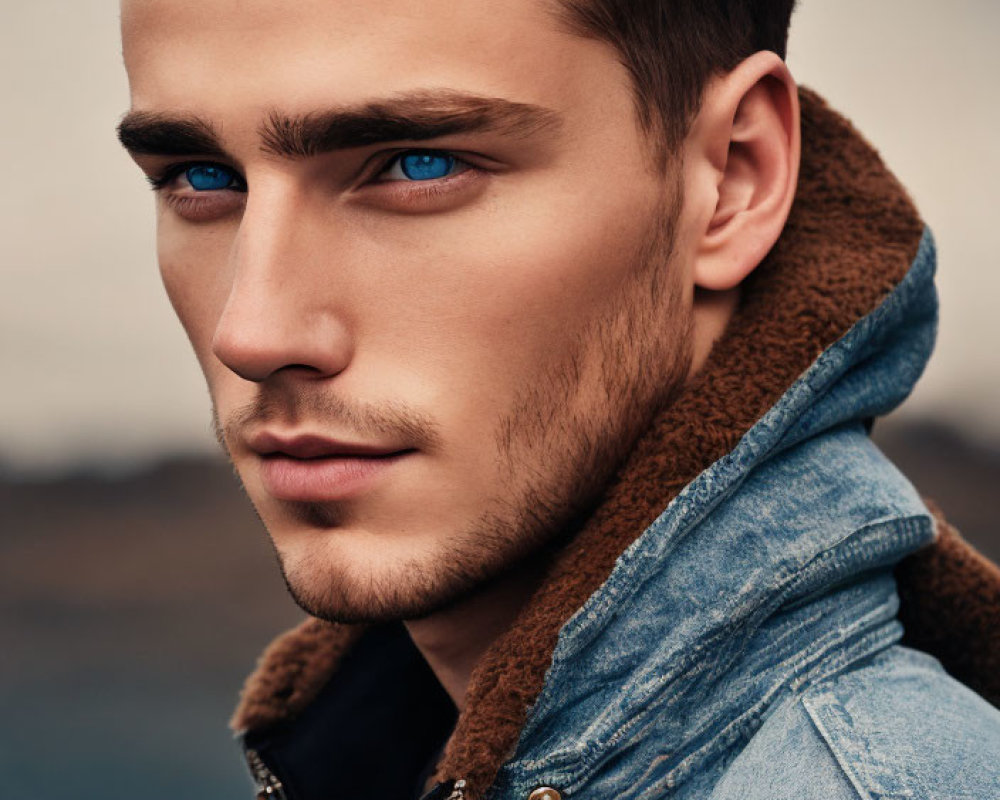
point(423, 165)
point(426, 166)
point(207, 178)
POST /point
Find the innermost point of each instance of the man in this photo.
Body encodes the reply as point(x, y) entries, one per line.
point(550, 373)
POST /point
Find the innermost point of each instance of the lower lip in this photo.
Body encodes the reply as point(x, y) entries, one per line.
point(319, 480)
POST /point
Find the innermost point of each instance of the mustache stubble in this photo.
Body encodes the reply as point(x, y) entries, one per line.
point(325, 412)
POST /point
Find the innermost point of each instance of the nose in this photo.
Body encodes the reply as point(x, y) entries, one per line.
point(283, 310)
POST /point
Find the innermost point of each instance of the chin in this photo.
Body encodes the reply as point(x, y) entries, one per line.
point(344, 573)
point(356, 590)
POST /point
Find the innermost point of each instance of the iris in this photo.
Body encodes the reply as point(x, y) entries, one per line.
point(426, 166)
point(205, 178)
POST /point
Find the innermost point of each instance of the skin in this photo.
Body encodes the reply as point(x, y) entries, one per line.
point(513, 327)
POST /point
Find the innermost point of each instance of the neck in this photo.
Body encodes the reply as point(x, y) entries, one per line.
point(454, 639)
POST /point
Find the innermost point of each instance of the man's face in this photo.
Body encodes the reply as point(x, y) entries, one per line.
point(425, 260)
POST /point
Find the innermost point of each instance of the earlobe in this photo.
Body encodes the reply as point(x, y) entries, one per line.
point(747, 132)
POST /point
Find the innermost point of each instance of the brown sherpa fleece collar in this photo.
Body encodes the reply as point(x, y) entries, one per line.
point(852, 236)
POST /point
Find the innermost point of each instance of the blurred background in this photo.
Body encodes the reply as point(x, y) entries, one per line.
point(137, 585)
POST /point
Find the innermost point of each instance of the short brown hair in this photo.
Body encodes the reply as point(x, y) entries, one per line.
point(672, 47)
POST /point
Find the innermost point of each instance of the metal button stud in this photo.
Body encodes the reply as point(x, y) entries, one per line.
point(545, 793)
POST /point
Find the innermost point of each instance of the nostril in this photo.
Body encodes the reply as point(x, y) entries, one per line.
point(267, 325)
point(303, 367)
point(303, 371)
point(258, 348)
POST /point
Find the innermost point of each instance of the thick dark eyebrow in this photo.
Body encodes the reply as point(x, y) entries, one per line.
point(149, 133)
point(415, 116)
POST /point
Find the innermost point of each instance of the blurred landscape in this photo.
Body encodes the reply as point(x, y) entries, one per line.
point(134, 606)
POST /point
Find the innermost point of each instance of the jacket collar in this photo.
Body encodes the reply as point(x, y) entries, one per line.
point(834, 326)
point(771, 569)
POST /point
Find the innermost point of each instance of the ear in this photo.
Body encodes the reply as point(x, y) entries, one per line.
point(745, 143)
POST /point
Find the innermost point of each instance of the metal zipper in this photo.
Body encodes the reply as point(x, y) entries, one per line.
point(438, 792)
point(266, 783)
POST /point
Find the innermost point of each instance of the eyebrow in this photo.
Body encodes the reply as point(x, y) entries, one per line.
point(150, 133)
point(416, 116)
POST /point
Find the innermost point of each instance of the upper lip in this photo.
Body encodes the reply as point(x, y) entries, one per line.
point(312, 446)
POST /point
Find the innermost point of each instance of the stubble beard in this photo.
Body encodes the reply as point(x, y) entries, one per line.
point(559, 449)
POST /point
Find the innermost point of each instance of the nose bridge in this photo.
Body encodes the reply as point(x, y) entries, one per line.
point(264, 254)
point(281, 310)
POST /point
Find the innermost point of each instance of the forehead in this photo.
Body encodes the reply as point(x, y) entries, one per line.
point(218, 55)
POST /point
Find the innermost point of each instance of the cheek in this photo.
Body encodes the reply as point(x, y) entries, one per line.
point(194, 269)
point(515, 285)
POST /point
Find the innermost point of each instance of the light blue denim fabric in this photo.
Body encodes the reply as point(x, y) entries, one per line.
point(745, 646)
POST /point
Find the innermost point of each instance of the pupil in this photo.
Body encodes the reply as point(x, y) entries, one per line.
point(426, 166)
point(205, 179)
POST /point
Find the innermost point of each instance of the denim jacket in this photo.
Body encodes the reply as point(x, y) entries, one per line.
point(738, 642)
point(746, 645)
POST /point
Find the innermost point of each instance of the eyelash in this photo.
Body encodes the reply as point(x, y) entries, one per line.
point(163, 180)
point(423, 187)
point(395, 195)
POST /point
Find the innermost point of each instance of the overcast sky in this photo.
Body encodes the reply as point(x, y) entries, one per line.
point(96, 369)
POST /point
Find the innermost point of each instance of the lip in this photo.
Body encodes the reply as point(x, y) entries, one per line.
point(309, 468)
point(311, 446)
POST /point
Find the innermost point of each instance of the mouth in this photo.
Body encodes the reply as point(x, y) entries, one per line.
point(315, 469)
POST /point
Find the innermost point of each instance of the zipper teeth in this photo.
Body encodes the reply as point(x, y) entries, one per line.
point(268, 785)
